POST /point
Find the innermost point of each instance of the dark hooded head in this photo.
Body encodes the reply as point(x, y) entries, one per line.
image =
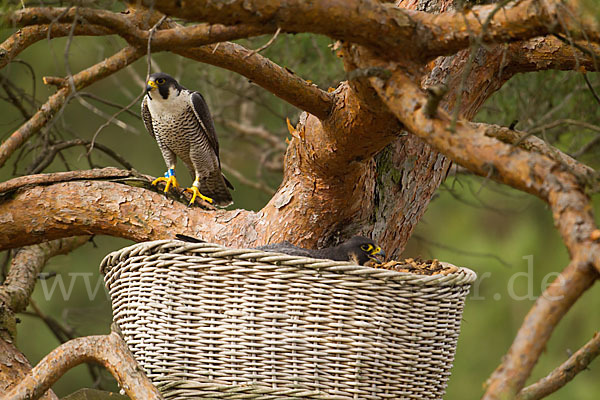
point(161, 84)
point(362, 249)
point(358, 249)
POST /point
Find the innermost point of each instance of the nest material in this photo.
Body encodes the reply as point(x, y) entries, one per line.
point(419, 267)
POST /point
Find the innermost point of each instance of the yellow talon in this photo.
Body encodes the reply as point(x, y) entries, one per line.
point(196, 193)
point(170, 181)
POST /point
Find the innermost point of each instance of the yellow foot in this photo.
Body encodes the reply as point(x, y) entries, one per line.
point(170, 181)
point(196, 193)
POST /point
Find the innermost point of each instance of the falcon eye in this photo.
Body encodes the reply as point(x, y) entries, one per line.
point(160, 81)
point(366, 247)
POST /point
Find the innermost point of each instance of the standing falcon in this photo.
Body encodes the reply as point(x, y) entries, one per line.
point(180, 122)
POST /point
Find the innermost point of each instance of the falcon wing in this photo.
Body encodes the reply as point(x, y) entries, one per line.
point(206, 122)
point(286, 248)
point(147, 117)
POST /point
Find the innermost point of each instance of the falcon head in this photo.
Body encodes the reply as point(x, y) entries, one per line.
point(362, 249)
point(161, 86)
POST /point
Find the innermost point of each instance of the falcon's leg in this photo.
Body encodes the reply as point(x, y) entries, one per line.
point(170, 159)
point(169, 179)
point(196, 192)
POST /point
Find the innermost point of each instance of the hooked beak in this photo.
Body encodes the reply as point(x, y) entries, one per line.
point(150, 86)
point(377, 255)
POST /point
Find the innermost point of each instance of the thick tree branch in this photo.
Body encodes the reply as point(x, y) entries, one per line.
point(29, 35)
point(265, 73)
point(126, 25)
point(53, 15)
point(108, 173)
point(37, 213)
point(564, 373)
point(533, 143)
point(469, 147)
point(351, 20)
point(526, 171)
point(537, 328)
point(109, 351)
point(510, 21)
point(82, 79)
point(14, 366)
point(548, 52)
point(396, 33)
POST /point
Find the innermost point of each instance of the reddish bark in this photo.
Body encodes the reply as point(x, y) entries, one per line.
point(510, 376)
point(14, 366)
point(333, 186)
point(109, 351)
point(14, 297)
point(394, 32)
point(562, 375)
point(29, 35)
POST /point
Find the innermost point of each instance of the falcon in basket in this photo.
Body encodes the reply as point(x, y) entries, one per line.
point(358, 249)
point(180, 122)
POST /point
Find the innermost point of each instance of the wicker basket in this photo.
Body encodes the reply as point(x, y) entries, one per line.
point(205, 321)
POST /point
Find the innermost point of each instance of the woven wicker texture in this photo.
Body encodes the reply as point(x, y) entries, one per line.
point(206, 321)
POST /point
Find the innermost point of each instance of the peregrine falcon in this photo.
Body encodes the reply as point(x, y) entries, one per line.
point(180, 122)
point(358, 249)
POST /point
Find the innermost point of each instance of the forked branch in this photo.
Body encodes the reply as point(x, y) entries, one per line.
point(528, 171)
point(562, 375)
point(109, 351)
point(25, 267)
point(395, 33)
point(82, 79)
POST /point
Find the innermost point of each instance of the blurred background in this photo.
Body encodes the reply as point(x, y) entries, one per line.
point(506, 236)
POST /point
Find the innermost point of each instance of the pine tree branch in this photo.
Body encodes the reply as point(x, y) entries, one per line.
point(14, 366)
point(25, 267)
point(29, 35)
point(191, 42)
point(109, 351)
point(536, 329)
point(395, 33)
point(528, 171)
point(562, 375)
point(82, 79)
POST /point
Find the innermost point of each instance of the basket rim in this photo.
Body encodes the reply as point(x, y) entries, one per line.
point(462, 276)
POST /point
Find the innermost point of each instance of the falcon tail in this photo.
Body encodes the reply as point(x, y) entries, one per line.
point(215, 187)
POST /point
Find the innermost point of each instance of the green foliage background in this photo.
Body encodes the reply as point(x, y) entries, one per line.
point(472, 222)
